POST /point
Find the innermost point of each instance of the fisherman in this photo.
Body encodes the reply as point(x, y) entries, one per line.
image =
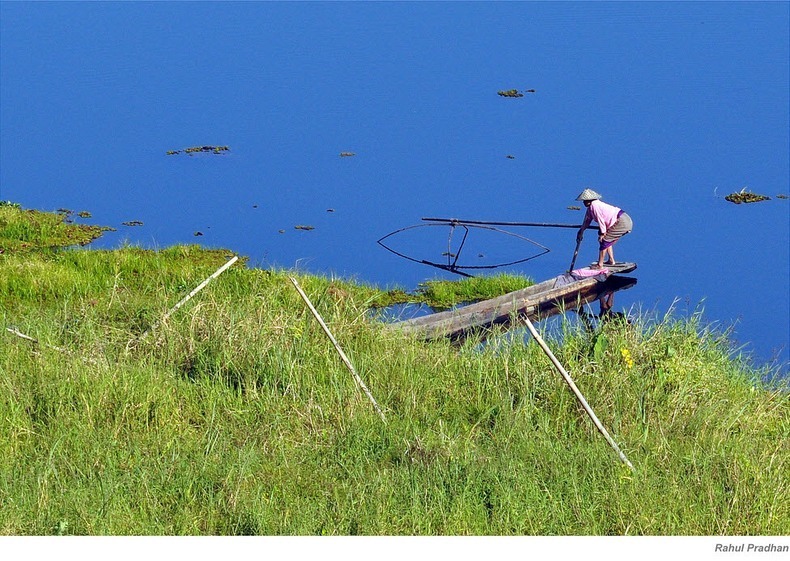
point(613, 224)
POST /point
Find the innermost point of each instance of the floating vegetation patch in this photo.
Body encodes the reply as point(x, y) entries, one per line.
point(67, 214)
point(510, 93)
point(782, 196)
point(304, 227)
point(330, 210)
point(510, 157)
point(198, 233)
point(133, 223)
point(28, 230)
point(198, 149)
point(347, 154)
point(10, 204)
point(513, 93)
point(84, 214)
point(744, 196)
point(574, 208)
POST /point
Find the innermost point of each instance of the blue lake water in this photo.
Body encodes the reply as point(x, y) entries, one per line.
point(663, 108)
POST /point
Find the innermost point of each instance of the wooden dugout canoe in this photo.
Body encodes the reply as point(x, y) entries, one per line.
point(563, 292)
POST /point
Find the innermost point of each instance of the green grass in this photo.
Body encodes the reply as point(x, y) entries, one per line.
point(29, 230)
point(236, 416)
point(442, 294)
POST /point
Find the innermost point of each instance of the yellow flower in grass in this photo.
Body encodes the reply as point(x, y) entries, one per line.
point(629, 361)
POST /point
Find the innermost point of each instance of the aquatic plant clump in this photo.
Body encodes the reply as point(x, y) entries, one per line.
point(513, 93)
point(744, 196)
point(197, 149)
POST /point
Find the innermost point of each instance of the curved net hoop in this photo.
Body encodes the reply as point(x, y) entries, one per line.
point(453, 262)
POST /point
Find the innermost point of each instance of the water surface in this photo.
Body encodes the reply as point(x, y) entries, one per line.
point(663, 108)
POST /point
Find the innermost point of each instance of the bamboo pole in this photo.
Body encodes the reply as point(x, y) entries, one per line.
point(189, 296)
point(339, 350)
point(460, 222)
point(575, 254)
point(577, 393)
point(35, 341)
point(53, 347)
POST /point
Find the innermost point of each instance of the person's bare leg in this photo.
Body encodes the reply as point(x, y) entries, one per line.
point(601, 256)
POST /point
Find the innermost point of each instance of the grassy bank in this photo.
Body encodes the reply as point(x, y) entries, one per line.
point(236, 415)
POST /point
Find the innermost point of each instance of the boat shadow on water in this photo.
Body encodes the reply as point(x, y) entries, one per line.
point(602, 293)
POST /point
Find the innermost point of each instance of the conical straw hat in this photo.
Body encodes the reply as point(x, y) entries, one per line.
point(588, 195)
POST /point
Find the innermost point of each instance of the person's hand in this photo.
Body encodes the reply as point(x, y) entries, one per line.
point(600, 238)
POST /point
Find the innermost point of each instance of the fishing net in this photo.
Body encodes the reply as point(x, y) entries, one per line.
point(460, 247)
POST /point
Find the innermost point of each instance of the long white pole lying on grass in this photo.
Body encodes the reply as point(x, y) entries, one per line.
point(343, 356)
point(200, 287)
point(34, 341)
point(37, 342)
point(197, 289)
point(579, 396)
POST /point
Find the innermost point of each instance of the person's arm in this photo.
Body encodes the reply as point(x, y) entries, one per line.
point(587, 220)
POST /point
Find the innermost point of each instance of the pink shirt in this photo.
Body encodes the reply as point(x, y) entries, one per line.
point(605, 215)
